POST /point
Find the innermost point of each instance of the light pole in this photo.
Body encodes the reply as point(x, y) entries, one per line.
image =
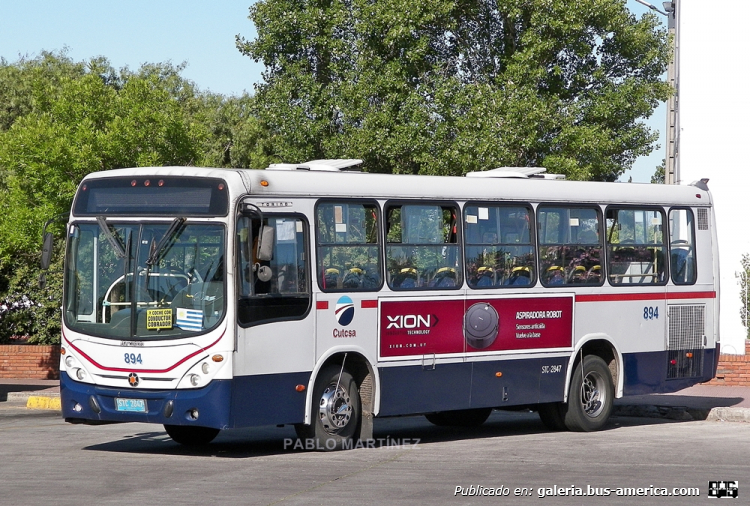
point(672, 168)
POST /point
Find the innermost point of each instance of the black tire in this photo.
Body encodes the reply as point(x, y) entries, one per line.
point(336, 417)
point(190, 435)
point(459, 418)
point(553, 415)
point(591, 396)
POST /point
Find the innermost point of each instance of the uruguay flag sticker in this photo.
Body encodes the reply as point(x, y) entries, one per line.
point(344, 311)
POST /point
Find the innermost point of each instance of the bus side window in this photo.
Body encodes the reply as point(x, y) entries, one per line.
point(422, 250)
point(635, 246)
point(570, 245)
point(499, 252)
point(682, 247)
point(348, 246)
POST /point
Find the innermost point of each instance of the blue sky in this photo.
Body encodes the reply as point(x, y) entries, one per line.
point(199, 32)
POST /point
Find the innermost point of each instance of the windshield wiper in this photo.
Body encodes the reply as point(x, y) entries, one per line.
point(167, 239)
point(112, 237)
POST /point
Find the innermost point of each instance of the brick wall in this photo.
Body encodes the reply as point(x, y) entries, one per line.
point(733, 370)
point(28, 361)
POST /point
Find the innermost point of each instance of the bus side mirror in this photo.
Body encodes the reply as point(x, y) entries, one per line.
point(46, 250)
point(265, 244)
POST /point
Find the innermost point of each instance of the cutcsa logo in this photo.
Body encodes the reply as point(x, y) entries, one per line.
point(344, 311)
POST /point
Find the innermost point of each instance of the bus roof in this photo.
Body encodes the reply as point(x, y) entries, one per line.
point(313, 183)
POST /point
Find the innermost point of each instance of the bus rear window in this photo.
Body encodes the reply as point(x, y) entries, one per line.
point(152, 196)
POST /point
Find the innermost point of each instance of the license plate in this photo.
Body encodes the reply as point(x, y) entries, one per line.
point(131, 405)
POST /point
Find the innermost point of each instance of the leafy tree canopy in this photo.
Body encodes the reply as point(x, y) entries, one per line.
point(451, 86)
point(61, 120)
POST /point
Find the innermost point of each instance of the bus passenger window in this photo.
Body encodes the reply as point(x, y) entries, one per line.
point(570, 246)
point(422, 250)
point(636, 246)
point(682, 246)
point(348, 251)
point(499, 252)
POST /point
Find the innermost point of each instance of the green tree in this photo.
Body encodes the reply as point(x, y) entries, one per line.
point(658, 177)
point(62, 120)
point(451, 86)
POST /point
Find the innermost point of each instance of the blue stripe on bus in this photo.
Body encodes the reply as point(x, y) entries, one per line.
point(465, 385)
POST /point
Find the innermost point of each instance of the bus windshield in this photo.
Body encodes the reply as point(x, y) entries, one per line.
point(144, 280)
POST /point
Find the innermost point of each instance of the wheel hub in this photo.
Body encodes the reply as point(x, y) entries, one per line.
point(592, 394)
point(335, 408)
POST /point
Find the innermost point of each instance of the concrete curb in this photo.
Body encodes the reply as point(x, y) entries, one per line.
point(24, 396)
point(683, 413)
point(730, 415)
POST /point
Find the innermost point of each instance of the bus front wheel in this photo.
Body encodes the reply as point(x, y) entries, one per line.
point(591, 396)
point(336, 415)
point(189, 435)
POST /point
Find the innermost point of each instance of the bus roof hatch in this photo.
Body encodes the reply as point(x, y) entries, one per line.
point(333, 165)
point(516, 172)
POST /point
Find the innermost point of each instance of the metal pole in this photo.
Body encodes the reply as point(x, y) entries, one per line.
point(672, 170)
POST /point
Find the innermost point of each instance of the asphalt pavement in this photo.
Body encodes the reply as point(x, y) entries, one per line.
point(699, 402)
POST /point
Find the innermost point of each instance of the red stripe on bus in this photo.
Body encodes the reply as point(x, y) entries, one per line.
point(322, 304)
point(615, 297)
point(369, 303)
point(133, 369)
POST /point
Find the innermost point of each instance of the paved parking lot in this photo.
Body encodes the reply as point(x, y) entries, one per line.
point(44, 460)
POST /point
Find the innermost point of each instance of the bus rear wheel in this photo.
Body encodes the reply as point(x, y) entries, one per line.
point(591, 396)
point(459, 418)
point(190, 435)
point(336, 415)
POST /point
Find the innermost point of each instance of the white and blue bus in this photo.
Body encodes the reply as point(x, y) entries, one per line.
point(316, 295)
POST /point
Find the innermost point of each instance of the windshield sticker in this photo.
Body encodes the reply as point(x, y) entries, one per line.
point(190, 319)
point(159, 319)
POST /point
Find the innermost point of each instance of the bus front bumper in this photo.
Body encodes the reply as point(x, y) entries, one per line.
point(90, 404)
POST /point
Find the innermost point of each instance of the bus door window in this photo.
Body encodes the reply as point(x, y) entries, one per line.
point(636, 246)
point(682, 246)
point(348, 246)
point(570, 245)
point(422, 248)
point(499, 252)
point(275, 289)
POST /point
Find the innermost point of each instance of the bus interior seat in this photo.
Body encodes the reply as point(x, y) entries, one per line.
point(594, 275)
point(578, 275)
point(445, 277)
point(485, 277)
point(406, 278)
point(331, 278)
point(353, 278)
point(555, 275)
point(519, 276)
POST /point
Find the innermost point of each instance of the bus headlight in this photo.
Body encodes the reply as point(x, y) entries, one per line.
point(80, 374)
point(195, 379)
point(69, 361)
point(204, 368)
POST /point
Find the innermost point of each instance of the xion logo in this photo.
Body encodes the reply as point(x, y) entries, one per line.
point(412, 321)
